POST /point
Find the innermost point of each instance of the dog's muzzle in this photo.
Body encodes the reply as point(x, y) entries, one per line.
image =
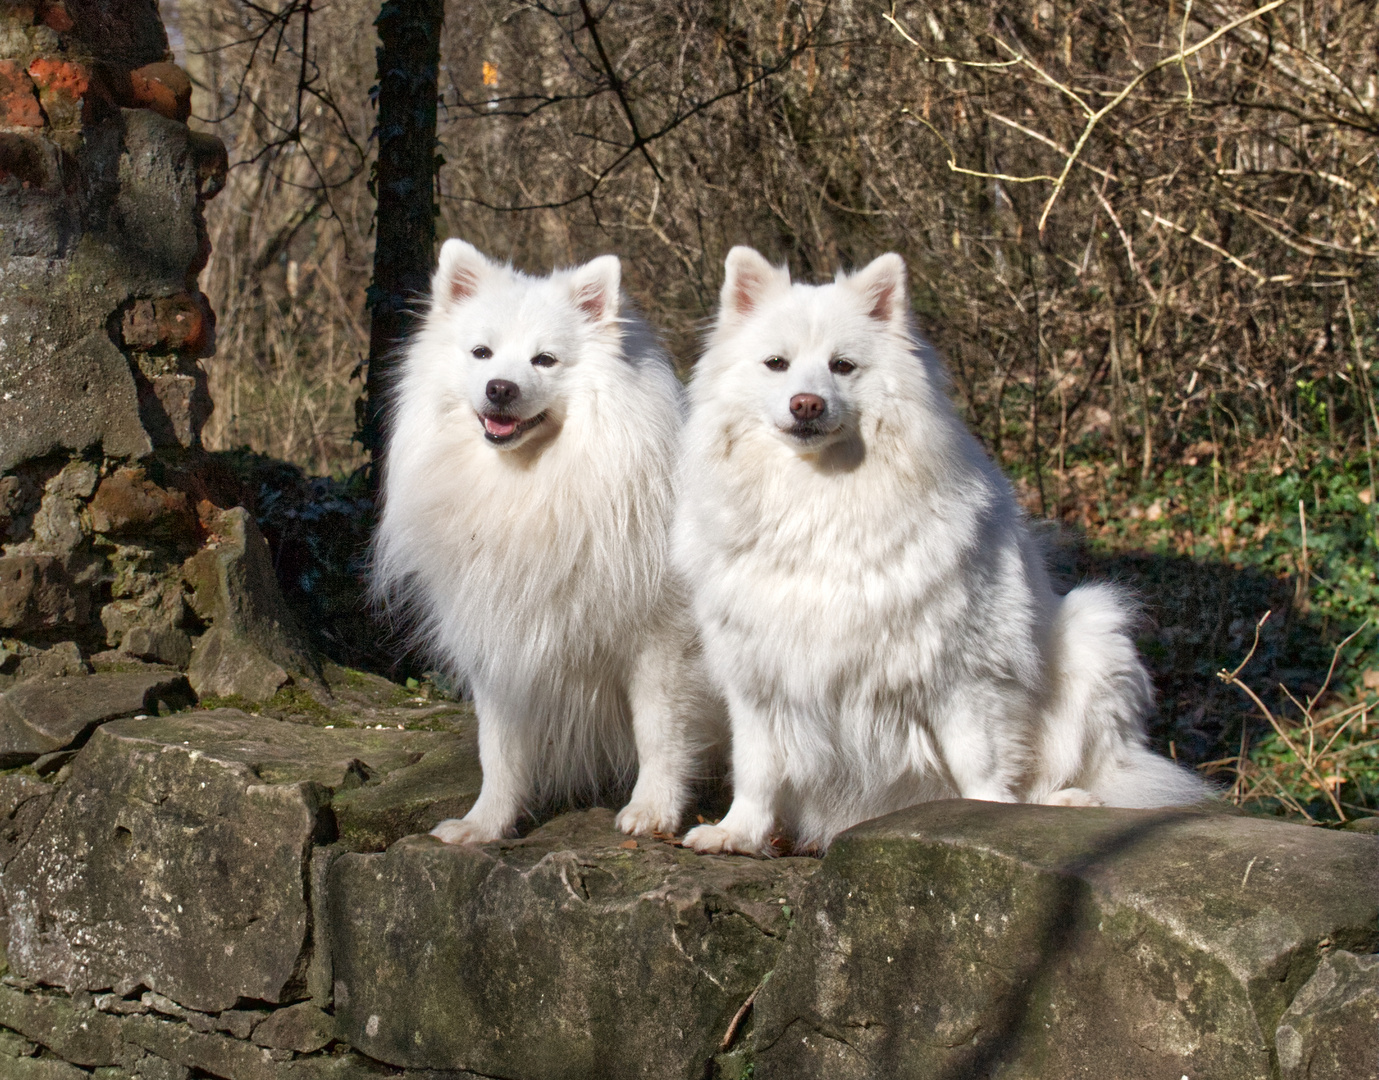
point(500, 429)
point(808, 430)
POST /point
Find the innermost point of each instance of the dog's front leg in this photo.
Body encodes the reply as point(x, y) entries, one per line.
point(661, 704)
point(507, 759)
point(757, 775)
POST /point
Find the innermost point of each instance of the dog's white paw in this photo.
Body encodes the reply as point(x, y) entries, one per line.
point(716, 840)
point(1073, 796)
point(644, 818)
point(465, 831)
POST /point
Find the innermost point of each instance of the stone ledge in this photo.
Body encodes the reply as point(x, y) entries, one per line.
point(572, 953)
point(961, 938)
point(176, 855)
point(42, 716)
point(951, 939)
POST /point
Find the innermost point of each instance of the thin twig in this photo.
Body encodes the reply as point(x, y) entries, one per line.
point(1260, 279)
point(1305, 575)
point(738, 1017)
point(1182, 46)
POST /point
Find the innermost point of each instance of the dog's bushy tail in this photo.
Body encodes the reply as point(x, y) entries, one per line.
point(1094, 736)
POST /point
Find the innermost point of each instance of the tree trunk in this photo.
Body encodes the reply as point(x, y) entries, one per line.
point(403, 182)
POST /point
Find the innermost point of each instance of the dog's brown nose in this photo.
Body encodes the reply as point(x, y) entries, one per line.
point(501, 392)
point(805, 406)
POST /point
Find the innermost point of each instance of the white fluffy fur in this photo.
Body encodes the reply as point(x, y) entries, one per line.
point(868, 593)
point(536, 570)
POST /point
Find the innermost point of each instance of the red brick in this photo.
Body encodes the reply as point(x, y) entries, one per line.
point(182, 322)
point(164, 88)
point(18, 97)
point(66, 89)
point(127, 501)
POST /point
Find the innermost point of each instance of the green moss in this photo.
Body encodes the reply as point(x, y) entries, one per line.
point(299, 702)
point(291, 701)
point(230, 701)
point(355, 679)
point(734, 1065)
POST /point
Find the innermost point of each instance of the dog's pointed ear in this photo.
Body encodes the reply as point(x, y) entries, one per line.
point(462, 267)
point(747, 280)
point(595, 286)
point(883, 286)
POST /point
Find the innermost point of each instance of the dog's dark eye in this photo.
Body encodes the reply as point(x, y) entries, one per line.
point(543, 359)
point(481, 352)
point(778, 363)
point(841, 366)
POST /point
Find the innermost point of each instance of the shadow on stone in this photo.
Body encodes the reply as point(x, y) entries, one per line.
point(960, 939)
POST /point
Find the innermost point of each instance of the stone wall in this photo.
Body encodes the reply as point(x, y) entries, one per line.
point(101, 235)
point(248, 898)
point(121, 543)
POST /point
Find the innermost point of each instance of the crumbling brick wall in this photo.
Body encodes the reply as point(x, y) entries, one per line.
point(105, 493)
point(101, 234)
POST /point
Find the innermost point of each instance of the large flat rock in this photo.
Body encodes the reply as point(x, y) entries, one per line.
point(569, 954)
point(960, 939)
point(210, 866)
point(40, 716)
point(177, 854)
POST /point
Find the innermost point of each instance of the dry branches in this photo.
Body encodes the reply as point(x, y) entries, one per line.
point(1317, 752)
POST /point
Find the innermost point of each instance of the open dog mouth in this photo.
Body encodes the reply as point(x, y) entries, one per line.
point(499, 429)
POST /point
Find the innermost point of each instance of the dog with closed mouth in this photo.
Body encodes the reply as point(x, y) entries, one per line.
point(527, 496)
point(869, 595)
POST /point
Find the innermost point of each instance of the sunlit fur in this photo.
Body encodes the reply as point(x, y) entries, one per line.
point(536, 571)
point(870, 597)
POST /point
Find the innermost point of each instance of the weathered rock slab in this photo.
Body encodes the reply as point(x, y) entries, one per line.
point(40, 413)
point(176, 855)
point(442, 784)
point(41, 716)
point(301, 1028)
point(1331, 1029)
point(85, 1038)
point(568, 954)
point(978, 939)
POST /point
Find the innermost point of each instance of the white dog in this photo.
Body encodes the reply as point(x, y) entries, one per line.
point(867, 590)
point(527, 501)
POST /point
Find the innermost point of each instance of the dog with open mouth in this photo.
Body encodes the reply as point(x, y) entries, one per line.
point(871, 599)
point(527, 496)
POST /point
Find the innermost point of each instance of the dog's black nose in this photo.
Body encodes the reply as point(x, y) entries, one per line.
point(802, 406)
point(501, 392)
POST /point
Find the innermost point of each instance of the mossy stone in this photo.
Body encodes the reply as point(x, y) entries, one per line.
point(176, 855)
point(568, 954)
point(979, 939)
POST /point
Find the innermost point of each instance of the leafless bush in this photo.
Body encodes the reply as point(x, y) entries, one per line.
point(1320, 756)
point(1134, 229)
point(286, 87)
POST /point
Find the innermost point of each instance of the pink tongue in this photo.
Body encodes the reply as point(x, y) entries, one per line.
point(499, 425)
